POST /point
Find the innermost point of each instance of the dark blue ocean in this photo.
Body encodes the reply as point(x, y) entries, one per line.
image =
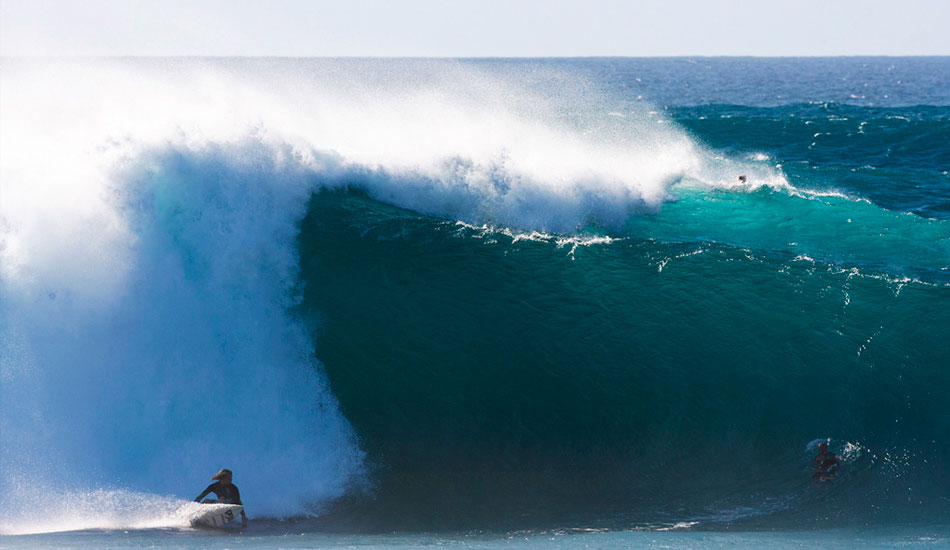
point(490, 302)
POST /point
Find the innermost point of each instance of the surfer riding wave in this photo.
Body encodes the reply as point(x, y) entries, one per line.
point(825, 464)
point(226, 492)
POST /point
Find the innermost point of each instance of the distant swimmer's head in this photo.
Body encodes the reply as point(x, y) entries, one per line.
point(742, 179)
point(223, 475)
point(822, 447)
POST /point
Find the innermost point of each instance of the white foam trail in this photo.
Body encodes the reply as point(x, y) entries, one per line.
point(100, 509)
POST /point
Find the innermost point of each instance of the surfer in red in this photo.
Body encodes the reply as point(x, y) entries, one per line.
point(226, 492)
point(825, 464)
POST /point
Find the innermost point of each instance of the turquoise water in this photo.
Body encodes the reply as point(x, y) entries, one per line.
point(528, 298)
point(902, 537)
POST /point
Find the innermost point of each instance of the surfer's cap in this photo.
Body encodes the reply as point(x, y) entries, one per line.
point(224, 473)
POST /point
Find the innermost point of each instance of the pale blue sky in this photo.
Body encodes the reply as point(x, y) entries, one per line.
point(474, 28)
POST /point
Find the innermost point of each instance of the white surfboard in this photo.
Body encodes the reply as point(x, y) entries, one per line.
point(216, 515)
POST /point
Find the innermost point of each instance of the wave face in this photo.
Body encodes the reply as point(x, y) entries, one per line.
point(536, 289)
point(499, 376)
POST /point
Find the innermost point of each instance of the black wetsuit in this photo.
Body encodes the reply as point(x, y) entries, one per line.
point(228, 494)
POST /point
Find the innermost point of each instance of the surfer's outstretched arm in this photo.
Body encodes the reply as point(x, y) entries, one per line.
point(204, 493)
